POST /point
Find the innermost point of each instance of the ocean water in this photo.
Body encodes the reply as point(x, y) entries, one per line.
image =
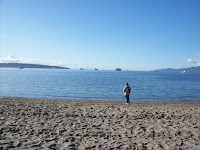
point(98, 85)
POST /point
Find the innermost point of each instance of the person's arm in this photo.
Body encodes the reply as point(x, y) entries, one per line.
point(124, 89)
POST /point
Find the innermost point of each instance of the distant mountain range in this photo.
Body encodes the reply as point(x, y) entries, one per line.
point(193, 70)
point(22, 66)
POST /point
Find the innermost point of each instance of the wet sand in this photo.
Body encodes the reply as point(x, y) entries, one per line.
point(69, 124)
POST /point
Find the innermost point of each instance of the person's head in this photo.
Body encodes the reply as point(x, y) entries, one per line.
point(127, 83)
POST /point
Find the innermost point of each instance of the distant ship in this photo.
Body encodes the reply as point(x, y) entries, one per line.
point(21, 67)
point(183, 71)
point(81, 68)
point(118, 69)
point(95, 69)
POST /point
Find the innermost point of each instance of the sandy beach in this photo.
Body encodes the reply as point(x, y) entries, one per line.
point(71, 124)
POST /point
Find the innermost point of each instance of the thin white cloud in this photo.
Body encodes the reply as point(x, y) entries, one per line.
point(12, 59)
point(191, 60)
point(59, 63)
point(196, 61)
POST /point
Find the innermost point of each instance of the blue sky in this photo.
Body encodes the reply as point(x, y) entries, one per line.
point(134, 35)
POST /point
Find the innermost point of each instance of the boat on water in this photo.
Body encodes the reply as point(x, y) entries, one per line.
point(183, 71)
point(21, 67)
point(96, 69)
point(81, 68)
point(118, 69)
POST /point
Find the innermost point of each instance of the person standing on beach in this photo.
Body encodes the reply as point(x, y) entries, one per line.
point(127, 91)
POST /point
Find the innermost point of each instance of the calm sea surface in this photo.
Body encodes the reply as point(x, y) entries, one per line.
point(98, 85)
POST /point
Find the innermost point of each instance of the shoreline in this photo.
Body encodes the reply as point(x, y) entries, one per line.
point(85, 124)
point(132, 101)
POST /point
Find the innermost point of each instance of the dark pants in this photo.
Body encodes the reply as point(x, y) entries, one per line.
point(127, 99)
